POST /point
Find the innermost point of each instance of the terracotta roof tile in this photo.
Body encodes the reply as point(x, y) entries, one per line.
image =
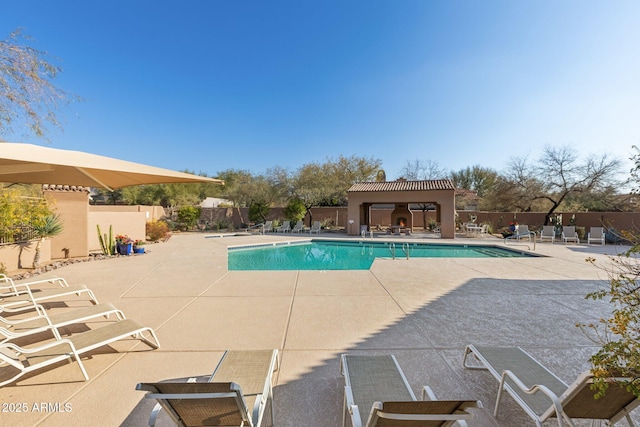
point(53, 187)
point(434, 184)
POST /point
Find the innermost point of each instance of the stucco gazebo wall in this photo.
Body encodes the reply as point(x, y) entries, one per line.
point(444, 198)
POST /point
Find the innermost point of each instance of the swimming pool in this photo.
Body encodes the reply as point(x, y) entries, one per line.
point(349, 255)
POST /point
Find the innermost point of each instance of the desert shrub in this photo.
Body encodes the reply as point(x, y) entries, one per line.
point(295, 210)
point(619, 333)
point(188, 216)
point(157, 230)
point(327, 223)
point(223, 223)
point(258, 212)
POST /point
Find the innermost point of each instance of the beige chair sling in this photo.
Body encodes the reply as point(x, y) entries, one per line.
point(376, 388)
point(543, 395)
point(236, 394)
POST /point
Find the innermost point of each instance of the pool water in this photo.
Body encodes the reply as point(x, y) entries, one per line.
point(337, 255)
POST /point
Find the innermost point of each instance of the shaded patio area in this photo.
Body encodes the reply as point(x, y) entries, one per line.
point(416, 309)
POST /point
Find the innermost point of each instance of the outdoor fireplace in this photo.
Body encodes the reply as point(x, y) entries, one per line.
point(402, 217)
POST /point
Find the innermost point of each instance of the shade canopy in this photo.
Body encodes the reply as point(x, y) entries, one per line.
point(35, 164)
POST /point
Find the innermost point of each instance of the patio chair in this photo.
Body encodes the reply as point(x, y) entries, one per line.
point(522, 232)
point(268, 226)
point(8, 287)
point(285, 227)
point(25, 360)
point(376, 387)
point(31, 297)
point(569, 234)
point(298, 228)
point(543, 395)
point(596, 234)
point(11, 329)
point(548, 232)
point(315, 228)
point(236, 394)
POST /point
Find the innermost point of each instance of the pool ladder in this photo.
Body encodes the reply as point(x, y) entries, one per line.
point(405, 248)
point(532, 236)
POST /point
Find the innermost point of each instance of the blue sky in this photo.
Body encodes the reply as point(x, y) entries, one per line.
point(213, 85)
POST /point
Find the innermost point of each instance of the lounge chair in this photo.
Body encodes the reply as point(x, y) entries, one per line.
point(267, 227)
point(11, 329)
point(236, 393)
point(315, 228)
point(596, 234)
point(543, 395)
point(569, 234)
point(26, 360)
point(298, 228)
point(548, 232)
point(8, 287)
point(376, 388)
point(29, 297)
point(285, 227)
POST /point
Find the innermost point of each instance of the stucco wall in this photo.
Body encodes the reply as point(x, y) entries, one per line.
point(72, 206)
point(152, 213)
point(133, 224)
point(18, 256)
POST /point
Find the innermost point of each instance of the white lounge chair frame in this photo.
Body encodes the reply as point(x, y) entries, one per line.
point(8, 287)
point(596, 234)
point(397, 403)
point(253, 368)
point(12, 329)
point(28, 298)
point(542, 394)
point(569, 234)
point(548, 232)
point(71, 347)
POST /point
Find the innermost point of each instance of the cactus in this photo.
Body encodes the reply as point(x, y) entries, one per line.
point(106, 243)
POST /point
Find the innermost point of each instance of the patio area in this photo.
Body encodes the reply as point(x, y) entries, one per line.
point(425, 311)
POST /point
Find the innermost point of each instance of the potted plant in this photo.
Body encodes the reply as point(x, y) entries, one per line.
point(138, 246)
point(124, 244)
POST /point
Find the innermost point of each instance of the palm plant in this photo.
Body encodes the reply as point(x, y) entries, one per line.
point(50, 226)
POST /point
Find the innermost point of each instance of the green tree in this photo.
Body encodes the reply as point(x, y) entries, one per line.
point(235, 189)
point(311, 186)
point(258, 212)
point(343, 172)
point(295, 210)
point(475, 178)
point(28, 95)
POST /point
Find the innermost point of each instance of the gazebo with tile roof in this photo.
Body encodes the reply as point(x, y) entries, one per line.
point(439, 192)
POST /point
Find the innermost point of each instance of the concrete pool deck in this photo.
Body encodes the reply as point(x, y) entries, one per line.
point(422, 310)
